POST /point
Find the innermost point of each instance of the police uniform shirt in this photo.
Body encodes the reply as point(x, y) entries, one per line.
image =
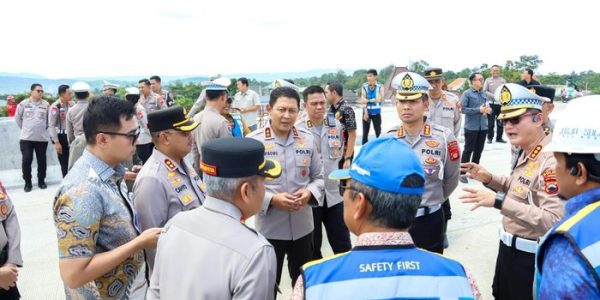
point(151, 103)
point(531, 205)
point(32, 118)
point(212, 126)
point(10, 232)
point(207, 253)
point(142, 118)
point(330, 145)
point(75, 119)
point(57, 119)
point(301, 168)
point(438, 150)
point(162, 189)
point(445, 112)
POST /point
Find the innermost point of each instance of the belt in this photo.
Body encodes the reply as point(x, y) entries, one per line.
point(423, 211)
point(62, 132)
point(516, 242)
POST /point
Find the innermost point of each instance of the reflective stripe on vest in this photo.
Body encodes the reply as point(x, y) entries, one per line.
point(581, 230)
point(373, 108)
point(386, 273)
point(238, 126)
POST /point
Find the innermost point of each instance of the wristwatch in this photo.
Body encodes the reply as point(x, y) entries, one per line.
point(499, 200)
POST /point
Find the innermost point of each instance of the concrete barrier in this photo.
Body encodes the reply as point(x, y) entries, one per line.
point(10, 158)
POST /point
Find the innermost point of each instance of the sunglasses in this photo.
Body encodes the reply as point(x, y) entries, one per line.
point(434, 80)
point(40, 91)
point(132, 136)
point(515, 120)
point(343, 186)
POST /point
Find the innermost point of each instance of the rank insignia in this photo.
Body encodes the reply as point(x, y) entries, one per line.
point(3, 209)
point(536, 151)
point(430, 160)
point(432, 143)
point(169, 164)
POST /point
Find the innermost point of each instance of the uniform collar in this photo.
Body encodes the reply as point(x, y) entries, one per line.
point(212, 109)
point(270, 135)
point(426, 131)
point(582, 200)
point(101, 168)
point(222, 206)
point(384, 239)
point(533, 155)
point(171, 164)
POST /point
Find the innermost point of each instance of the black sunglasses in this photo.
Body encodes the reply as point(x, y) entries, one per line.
point(514, 121)
point(132, 136)
point(343, 186)
point(39, 91)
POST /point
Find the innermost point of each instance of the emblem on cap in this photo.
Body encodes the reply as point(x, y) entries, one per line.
point(432, 73)
point(505, 96)
point(407, 82)
point(533, 90)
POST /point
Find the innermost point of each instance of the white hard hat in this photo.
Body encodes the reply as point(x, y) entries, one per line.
point(132, 91)
point(80, 86)
point(577, 128)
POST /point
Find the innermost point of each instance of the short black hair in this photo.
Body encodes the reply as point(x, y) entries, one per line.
point(145, 81)
point(104, 113)
point(33, 86)
point(243, 80)
point(155, 78)
point(62, 89)
point(473, 75)
point(588, 160)
point(283, 91)
point(372, 71)
point(337, 87)
point(82, 95)
point(495, 66)
point(529, 71)
point(313, 89)
point(133, 98)
point(212, 95)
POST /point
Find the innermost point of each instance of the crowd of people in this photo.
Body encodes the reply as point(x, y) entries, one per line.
point(135, 219)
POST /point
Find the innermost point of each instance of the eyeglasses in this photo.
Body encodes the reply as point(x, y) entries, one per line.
point(343, 187)
point(434, 80)
point(40, 91)
point(132, 136)
point(515, 120)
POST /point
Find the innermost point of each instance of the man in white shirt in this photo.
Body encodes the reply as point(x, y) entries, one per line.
point(248, 102)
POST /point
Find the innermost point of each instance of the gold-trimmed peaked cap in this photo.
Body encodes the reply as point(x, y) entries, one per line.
point(515, 100)
point(237, 158)
point(170, 118)
point(410, 86)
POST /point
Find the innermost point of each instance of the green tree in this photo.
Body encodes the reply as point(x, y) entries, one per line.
point(418, 66)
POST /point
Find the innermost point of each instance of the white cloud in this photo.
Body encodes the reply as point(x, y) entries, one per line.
point(116, 38)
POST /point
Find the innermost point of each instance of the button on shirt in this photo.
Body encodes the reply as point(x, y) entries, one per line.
point(301, 168)
point(93, 214)
point(57, 119)
point(207, 253)
point(32, 118)
point(246, 100)
point(162, 189)
point(471, 101)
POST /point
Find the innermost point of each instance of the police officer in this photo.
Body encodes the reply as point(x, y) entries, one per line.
point(156, 85)
point(144, 144)
point(201, 101)
point(75, 114)
point(212, 124)
point(285, 218)
point(438, 150)
point(57, 125)
point(166, 185)
point(207, 253)
point(527, 199)
point(381, 200)
point(109, 89)
point(567, 259)
point(327, 132)
point(10, 248)
point(32, 118)
point(443, 110)
point(150, 100)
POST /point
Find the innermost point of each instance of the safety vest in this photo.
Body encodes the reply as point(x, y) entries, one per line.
point(373, 108)
point(386, 272)
point(581, 230)
point(238, 126)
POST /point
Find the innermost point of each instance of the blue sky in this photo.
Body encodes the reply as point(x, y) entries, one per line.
point(119, 38)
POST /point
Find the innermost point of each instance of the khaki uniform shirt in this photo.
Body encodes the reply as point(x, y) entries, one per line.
point(490, 85)
point(212, 126)
point(531, 206)
point(329, 145)
point(151, 103)
point(207, 253)
point(57, 119)
point(438, 150)
point(10, 231)
point(32, 118)
point(301, 168)
point(162, 189)
point(75, 120)
point(445, 112)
